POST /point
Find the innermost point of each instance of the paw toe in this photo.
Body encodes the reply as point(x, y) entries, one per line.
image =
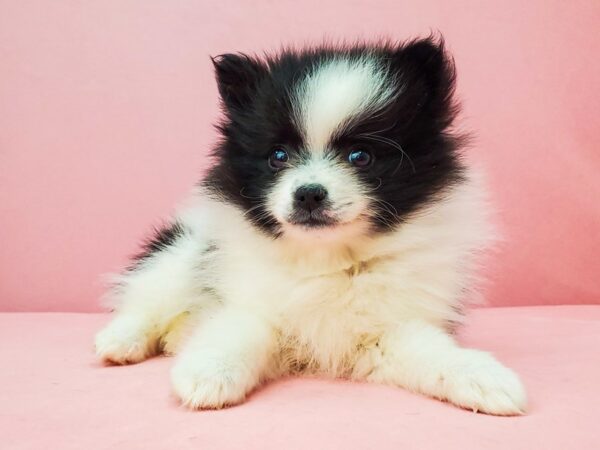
point(209, 383)
point(488, 387)
point(120, 344)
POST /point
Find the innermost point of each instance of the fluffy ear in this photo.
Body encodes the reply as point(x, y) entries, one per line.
point(428, 76)
point(237, 76)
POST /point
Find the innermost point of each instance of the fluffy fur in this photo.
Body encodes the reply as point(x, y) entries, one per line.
point(249, 283)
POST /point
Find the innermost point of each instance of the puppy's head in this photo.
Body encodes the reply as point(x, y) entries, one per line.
point(336, 141)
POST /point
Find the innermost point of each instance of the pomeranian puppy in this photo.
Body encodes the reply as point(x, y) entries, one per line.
point(336, 234)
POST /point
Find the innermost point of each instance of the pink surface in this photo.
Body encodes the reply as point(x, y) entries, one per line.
point(106, 110)
point(53, 390)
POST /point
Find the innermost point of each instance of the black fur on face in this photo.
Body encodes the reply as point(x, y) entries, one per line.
point(415, 155)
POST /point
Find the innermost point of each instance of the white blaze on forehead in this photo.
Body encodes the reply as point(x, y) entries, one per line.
point(336, 91)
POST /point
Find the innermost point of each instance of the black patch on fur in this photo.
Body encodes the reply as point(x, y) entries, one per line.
point(416, 153)
point(161, 239)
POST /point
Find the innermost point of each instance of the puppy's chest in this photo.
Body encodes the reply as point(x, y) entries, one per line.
point(330, 318)
point(325, 317)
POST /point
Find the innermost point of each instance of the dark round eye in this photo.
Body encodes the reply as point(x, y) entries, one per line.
point(278, 158)
point(360, 158)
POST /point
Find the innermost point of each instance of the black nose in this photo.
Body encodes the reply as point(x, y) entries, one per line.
point(310, 196)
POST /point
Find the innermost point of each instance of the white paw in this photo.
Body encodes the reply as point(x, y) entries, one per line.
point(481, 383)
point(125, 340)
point(208, 380)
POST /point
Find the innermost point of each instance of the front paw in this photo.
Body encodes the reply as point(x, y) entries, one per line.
point(481, 383)
point(124, 341)
point(209, 380)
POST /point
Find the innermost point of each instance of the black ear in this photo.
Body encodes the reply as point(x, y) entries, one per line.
point(427, 75)
point(237, 77)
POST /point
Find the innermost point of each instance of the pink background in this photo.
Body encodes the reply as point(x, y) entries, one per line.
point(106, 110)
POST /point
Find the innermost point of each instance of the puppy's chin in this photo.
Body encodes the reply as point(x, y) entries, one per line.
point(312, 220)
point(324, 231)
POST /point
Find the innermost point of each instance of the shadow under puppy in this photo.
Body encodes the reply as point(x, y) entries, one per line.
point(335, 234)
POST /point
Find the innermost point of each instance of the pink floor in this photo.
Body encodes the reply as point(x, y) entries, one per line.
point(52, 390)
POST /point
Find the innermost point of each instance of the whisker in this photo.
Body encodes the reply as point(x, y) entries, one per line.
point(247, 196)
point(386, 206)
point(392, 212)
point(392, 143)
point(379, 185)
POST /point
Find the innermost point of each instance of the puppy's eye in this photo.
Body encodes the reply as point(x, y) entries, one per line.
point(278, 158)
point(360, 158)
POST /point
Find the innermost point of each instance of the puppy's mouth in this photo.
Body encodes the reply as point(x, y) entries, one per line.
point(318, 218)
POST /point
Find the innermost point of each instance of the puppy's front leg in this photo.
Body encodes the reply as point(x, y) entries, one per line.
point(150, 296)
point(424, 359)
point(224, 360)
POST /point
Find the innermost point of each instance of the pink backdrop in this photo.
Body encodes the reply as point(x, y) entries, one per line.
point(106, 109)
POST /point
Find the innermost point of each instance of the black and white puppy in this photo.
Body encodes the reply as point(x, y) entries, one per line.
point(335, 234)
